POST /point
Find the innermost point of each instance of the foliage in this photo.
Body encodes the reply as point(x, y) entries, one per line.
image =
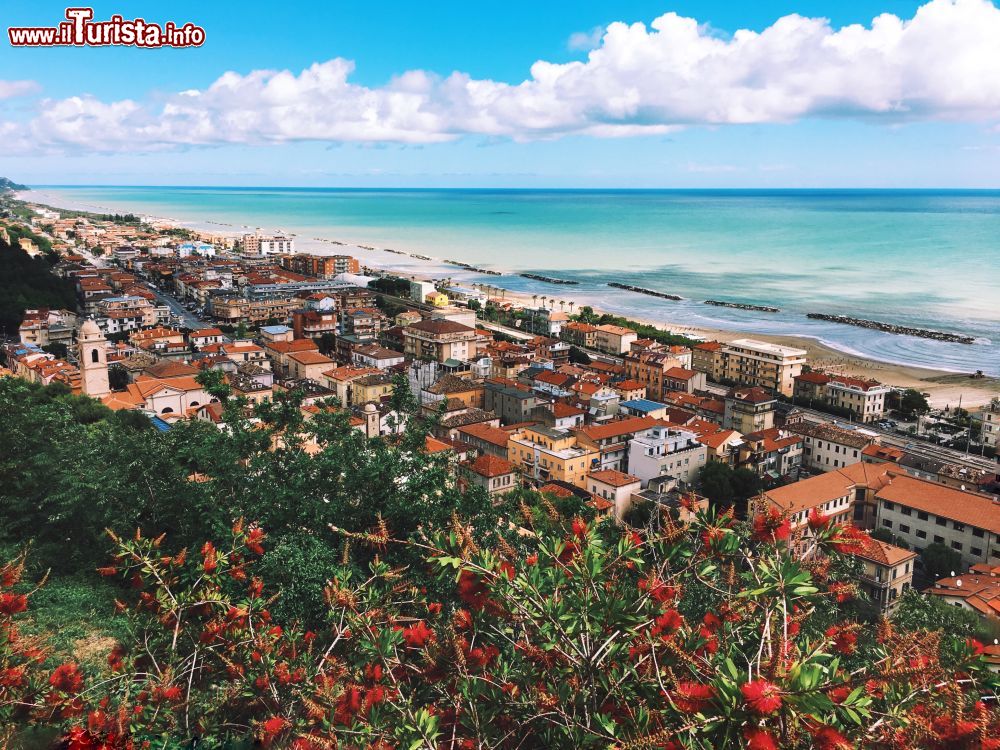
point(911, 403)
point(914, 612)
point(888, 537)
point(28, 283)
point(725, 486)
point(940, 561)
point(578, 356)
point(708, 636)
point(391, 285)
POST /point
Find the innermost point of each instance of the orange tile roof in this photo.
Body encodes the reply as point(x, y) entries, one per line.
point(629, 385)
point(490, 466)
point(881, 552)
point(613, 478)
point(616, 429)
point(965, 507)
point(309, 357)
point(815, 491)
point(482, 431)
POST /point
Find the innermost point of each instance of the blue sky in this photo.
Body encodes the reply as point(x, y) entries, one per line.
point(869, 113)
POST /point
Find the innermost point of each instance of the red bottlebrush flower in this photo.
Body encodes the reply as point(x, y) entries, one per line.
point(67, 678)
point(272, 728)
point(848, 538)
point(839, 694)
point(254, 538)
point(818, 521)
point(262, 682)
point(758, 739)
point(115, 657)
point(667, 623)
point(108, 570)
point(532, 559)
point(12, 676)
point(579, 528)
point(462, 619)
point(256, 587)
point(842, 592)
point(711, 622)
point(828, 738)
point(471, 589)
point(974, 646)
point(771, 527)
point(172, 693)
point(712, 535)
point(762, 697)
point(692, 697)
point(11, 604)
point(657, 589)
point(845, 640)
point(309, 636)
point(209, 563)
point(434, 608)
point(418, 634)
point(507, 569)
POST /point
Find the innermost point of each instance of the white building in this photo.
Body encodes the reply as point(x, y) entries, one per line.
point(666, 451)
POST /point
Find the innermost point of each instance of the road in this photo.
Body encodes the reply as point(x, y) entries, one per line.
point(186, 317)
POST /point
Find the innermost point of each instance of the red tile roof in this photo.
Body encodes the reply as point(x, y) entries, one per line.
point(489, 466)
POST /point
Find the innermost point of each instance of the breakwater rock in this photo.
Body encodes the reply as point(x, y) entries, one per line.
point(642, 290)
point(547, 279)
point(876, 325)
point(742, 306)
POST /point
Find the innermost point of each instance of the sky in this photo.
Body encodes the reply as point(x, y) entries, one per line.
point(674, 93)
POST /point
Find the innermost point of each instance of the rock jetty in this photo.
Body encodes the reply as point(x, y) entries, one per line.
point(875, 325)
point(742, 306)
point(547, 279)
point(469, 267)
point(642, 290)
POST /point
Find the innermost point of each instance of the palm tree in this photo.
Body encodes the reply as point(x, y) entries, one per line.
point(534, 299)
point(544, 300)
point(572, 304)
point(562, 304)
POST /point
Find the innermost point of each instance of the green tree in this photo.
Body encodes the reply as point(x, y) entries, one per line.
point(912, 403)
point(940, 561)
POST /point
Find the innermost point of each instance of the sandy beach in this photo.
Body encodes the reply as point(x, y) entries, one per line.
point(942, 388)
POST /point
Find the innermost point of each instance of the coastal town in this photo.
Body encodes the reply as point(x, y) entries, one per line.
point(523, 394)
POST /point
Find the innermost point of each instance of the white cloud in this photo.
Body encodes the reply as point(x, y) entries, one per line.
point(10, 89)
point(944, 63)
point(585, 40)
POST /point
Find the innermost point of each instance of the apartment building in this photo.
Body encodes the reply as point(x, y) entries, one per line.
point(666, 452)
point(887, 571)
point(828, 446)
point(922, 512)
point(320, 266)
point(863, 399)
point(509, 400)
point(749, 410)
point(758, 363)
point(706, 357)
point(773, 453)
point(439, 340)
point(257, 244)
point(579, 334)
point(614, 487)
point(544, 454)
point(236, 310)
point(989, 417)
point(650, 368)
point(612, 339)
point(611, 439)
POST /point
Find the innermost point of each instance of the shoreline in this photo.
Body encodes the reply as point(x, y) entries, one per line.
point(945, 387)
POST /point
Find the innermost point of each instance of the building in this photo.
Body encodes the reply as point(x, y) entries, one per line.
point(373, 387)
point(887, 571)
point(829, 446)
point(544, 454)
point(308, 365)
point(864, 400)
point(439, 340)
point(320, 266)
point(773, 453)
point(420, 289)
point(611, 439)
point(989, 417)
point(376, 356)
point(494, 474)
point(485, 437)
point(205, 337)
point(749, 410)
point(683, 380)
point(650, 368)
point(614, 487)
point(257, 244)
point(666, 452)
point(509, 400)
point(92, 354)
point(922, 512)
point(706, 357)
point(978, 591)
point(758, 363)
point(612, 339)
point(579, 334)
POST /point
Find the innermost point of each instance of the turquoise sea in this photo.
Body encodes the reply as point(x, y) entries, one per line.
point(922, 258)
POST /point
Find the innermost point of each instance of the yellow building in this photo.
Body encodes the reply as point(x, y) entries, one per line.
point(438, 299)
point(544, 454)
point(371, 388)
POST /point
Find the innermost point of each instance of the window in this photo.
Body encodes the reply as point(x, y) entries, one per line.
point(887, 523)
point(977, 532)
point(921, 534)
point(976, 552)
point(94, 356)
point(956, 545)
point(938, 539)
point(903, 528)
point(941, 521)
point(922, 515)
point(958, 526)
point(889, 506)
point(906, 511)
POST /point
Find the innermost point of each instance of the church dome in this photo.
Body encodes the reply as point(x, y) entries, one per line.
point(90, 328)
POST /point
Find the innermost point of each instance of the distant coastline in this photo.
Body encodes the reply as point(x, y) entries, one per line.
point(587, 290)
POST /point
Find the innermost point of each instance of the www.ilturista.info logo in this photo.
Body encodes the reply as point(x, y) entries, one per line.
point(80, 30)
